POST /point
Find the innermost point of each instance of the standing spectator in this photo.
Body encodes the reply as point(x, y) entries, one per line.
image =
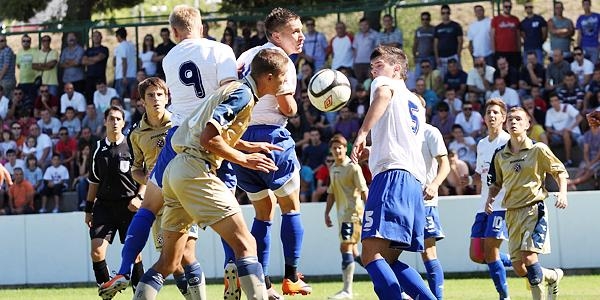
point(102, 96)
point(569, 91)
point(13, 162)
point(556, 71)
point(7, 66)
point(70, 63)
point(72, 123)
point(92, 120)
point(205, 29)
point(470, 121)
point(125, 64)
point(455, 79)
point(20, 194)
point(588, 31)
point(448, 41)
point(228, 38)
point(145, 57)
point(532, 74)
point(34, 175)
point(44, 145)
point(506, 39)
point(3, 104)
point(505, 70)
point(46, 62)
point(56, 179)
point(163, 48)
point(48, 124)
point(479, 34)
point(423, 43)
point(562, 125)
point(139, 77)
point(534, 32)
point(95, 59)
point(315, 45)
point(391, 35)
point(20, 103)
point(561, 31)
point(260, 38)
point(72, 98)
point(363, 44)
point(582, 67)
point(82, 171)
point(27, 74)
point(507, 94)
point(66, 147)
point(481, 78)
point(340, 47)
point(47, 101)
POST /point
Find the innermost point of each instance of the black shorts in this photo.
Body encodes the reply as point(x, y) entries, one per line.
point(55, 190)
point(110, 217)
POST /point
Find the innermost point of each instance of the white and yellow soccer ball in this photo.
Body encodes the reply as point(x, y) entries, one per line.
point(329, 90)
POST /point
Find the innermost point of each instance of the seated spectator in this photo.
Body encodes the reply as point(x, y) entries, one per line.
point(315, 152)
point(13, 162)
point(539, 117)
point(532, 74)
point(72, 123)
point(430, 97)
point(562, 125)
point(582, 67)
point(80, 183)
point(116, 101)
point(7, 143)
point(590, 165)
point(93, 120)
point(455, 78)
point(43, 145)
point(3, 104)
point(359, 104)
point(470, 121)
point(30, 147)
point(540, 102)
point(590, 100)
point(507, 72)
point(48, 124)
point(87, 138)
point(140, 75)
point(480, 79)
point(102, 96)
point(138, 113)
point(19, 103)
point(18, 134)
point(458, 170)
point(443, 120)
point(312, 116)
point(556, 70)
point(454, 103)
point(433, 78)
point(569, 91)
point(20, 194)
point(347, 124)
point(307, 182)
point(66, 148)
point(34, 175)
point(537, 133)
point(56, 178)
point(72, 98)
point(507, 94)
point(45, 101)
point(299, 132)
point(464, 146)
point(322, 180)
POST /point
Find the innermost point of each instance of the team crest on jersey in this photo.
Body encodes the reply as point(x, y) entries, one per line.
point(124, 166)
point(160, 143)
point(517, 167)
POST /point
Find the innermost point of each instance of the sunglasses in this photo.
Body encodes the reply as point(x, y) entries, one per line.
point(329, 161)
point(445, 13)
point(26, 41)
point(527, 7)
point(18, 93)
point(467, 108)
point(507, 6)
point(16, 128)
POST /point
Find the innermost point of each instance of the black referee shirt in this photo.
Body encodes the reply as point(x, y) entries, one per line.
point(111, 170)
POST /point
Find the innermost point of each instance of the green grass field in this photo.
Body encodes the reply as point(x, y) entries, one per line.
point(572, 287)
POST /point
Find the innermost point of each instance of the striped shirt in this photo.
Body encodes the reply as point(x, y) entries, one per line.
point(8, 58)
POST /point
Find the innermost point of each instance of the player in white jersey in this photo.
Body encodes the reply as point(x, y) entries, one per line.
point(488, 231)
point(437, 165)
point(194, 69)
point(394, 218)
point(284, 32)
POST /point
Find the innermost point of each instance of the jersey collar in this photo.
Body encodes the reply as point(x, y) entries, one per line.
point(118, 142)
point(249, 81)
point(165, 121)
point(528, 145)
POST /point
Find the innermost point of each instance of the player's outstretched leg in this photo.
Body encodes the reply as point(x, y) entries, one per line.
point(292, 233)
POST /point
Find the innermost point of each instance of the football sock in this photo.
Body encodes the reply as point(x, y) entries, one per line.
point(290, 272)
point(101, 272)
point(149, 285)
point(498, 274)
point(292, 233)
point(136, 274)
point(267, 282)
point(435, 277)
point(229, 255)
point(137, 236)
point(385, 283)
point(412, 283)
point(505, 258)
point(251, 277)
point(181, 283)
point(348, 277)
point(195, 280)
point(347, 259)
point(535, 274)
point(261, 230)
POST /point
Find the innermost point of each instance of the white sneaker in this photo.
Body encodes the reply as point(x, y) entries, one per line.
point(553, 287)
point(55, 210)
point(341, 295)
point(42, 210)
point(232, 290)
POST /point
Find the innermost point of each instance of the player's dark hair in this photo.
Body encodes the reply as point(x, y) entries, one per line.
point(268, 61)
point(278, 18)
point(154, 82)
point(114, 108)
point(338, 138)
point(393, 56)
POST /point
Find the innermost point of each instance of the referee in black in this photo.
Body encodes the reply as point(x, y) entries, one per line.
point(113, 196)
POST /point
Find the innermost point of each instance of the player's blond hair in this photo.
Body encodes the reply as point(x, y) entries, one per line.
point(338, 138)
point(185, 18)
point(496, 101)
point(392, 55)
point(518, 108)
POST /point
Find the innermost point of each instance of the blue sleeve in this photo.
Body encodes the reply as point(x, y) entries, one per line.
point(227, 110)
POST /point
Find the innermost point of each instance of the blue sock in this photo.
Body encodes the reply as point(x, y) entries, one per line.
point(292, 233)
point(153, 279)
point(229, 255)
point(385, 283)
point(498, 274)
point(261, 230)
point(137, 236)
point(435, 277)
point(347, 259)
point(535, 274)
point(505, 258)
point(181, 283)
point(249, 265)
point(412, 283)
point(193, 273)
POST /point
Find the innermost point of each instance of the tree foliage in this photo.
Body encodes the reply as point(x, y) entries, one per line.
point(23, 10)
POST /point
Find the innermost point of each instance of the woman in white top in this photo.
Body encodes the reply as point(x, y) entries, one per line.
point(145, 57)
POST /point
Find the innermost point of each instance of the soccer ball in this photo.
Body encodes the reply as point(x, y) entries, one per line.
point(329, 90)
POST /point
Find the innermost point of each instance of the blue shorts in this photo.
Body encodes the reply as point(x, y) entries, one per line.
point(433, 227)
point(395, 210)
point(225, 172)
point(490, 226)
point(252, 181)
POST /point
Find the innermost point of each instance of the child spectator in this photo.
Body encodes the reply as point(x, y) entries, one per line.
point(7, 143)
point(464, 146)
point(34, 174)
point(80, 183)
point(72, 123)
point(30, 146)
point(458, 170)
point(13, 162)
point(56, 178)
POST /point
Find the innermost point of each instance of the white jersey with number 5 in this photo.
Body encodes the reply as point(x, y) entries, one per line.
point(485, 152)
point(397, 136)
point(266, 111)
point(194, 69)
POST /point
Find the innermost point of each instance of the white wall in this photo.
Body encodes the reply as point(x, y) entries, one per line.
point(54, 248)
